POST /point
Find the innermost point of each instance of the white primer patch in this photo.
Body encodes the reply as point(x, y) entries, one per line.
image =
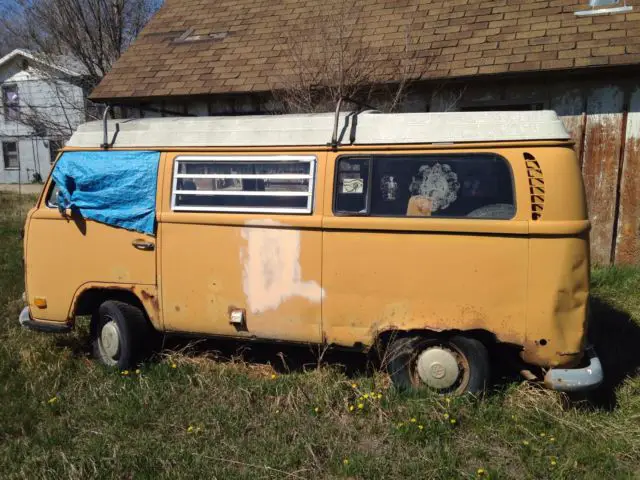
point(272, 272)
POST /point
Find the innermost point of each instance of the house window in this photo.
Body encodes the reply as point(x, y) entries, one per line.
point(10, 102)
point(260, 184)
point(444, 186)
point(10, 155)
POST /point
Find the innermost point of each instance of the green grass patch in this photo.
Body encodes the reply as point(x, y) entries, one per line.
point(193, 414)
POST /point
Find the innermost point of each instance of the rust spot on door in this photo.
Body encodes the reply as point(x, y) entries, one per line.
point(150, 301)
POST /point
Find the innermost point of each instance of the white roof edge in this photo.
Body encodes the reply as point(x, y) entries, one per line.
point(369, 128)
point(24, 53)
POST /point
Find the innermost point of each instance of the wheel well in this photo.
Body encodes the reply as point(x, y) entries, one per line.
point(89, 300)
point(384, 338)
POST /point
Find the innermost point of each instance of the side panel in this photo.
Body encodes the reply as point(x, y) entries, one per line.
point(62, 255)
point(560, 262)
point(425, 273)
point(379, 280)
point(267, 265)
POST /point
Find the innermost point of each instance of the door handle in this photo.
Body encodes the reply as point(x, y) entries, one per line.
point(143, 245)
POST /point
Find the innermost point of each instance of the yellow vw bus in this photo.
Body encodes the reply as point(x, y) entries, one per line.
point(439, 239)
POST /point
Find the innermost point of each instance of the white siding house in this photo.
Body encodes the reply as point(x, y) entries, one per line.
point(41, 106)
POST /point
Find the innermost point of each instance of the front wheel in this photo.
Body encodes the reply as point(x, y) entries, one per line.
point(118, 333)
point(453, 365)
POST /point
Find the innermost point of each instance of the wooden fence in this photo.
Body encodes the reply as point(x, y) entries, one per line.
point(607, 137)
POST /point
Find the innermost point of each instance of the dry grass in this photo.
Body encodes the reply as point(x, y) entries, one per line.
point(270, 413)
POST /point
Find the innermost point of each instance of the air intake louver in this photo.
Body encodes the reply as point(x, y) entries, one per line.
point(536, 186)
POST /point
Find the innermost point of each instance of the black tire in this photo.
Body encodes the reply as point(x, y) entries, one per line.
point(472, 355)
point(131, 327)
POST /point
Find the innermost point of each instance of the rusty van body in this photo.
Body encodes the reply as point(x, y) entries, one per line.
point(438, 236)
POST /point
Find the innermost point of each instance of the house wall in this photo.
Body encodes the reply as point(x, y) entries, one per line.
point(59, 102)
point(33, 154)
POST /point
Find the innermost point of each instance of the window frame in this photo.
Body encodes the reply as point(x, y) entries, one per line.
point(342, 213)
point(310, 193)
point(372, 159)
point(5, 156)
point(9, 110)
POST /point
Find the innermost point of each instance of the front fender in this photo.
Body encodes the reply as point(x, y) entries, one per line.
point(146, 295)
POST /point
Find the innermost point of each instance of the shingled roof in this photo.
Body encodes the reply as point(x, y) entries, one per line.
point(193, 47)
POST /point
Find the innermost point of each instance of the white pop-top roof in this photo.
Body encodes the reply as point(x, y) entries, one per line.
point(366, 128)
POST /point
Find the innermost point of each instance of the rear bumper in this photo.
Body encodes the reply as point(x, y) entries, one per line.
point(27, 321)
point(576, 379)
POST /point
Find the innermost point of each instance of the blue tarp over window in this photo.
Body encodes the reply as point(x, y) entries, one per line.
point(112, 187)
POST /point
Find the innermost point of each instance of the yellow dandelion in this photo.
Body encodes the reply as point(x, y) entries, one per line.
point(273, 376)
point(447, 399)
point(351, 408)
point(446, 416)
point(317, 409)
point(366, 395)
point(137, 371)
point(552, 439)
point(173, 365)
point(481, 472)
point(420, 427)
point(542, 434)
point(345, 461)
point(354, 385)
point(53, 400)
point(453, 421)
point(525, 442)
point(379, 396)
point(513, 417)
point(360, 406)
point(413, 420)
point(553, 461)
point(125, 372)
point(190, 429)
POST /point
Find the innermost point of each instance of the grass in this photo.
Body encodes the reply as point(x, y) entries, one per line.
point(193, 414)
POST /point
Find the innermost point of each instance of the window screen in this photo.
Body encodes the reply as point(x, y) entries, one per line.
point(264, 184)
point(446, 186)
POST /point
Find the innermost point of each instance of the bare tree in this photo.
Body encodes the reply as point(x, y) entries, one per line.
point(8, 42)
point(332, 55)
point(83, 38)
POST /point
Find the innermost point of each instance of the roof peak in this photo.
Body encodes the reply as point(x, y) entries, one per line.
point(36, 57)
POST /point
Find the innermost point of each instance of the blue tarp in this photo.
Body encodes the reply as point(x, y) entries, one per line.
point(112, 187)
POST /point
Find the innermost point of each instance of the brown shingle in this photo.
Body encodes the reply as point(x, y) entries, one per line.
point(461, 37)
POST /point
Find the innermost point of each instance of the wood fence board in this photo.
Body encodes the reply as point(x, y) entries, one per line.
point(601, 154)
point(628, 237)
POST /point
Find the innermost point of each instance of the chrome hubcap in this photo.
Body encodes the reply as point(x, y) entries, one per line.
point(110, 339)
point(438, 367)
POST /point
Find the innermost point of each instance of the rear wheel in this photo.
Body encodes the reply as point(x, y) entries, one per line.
point(118, 332)
point(452, 365)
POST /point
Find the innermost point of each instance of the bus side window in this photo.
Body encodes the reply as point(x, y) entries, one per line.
point(352, 186)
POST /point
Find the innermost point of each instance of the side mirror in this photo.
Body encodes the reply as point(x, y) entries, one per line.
point(65, 212)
